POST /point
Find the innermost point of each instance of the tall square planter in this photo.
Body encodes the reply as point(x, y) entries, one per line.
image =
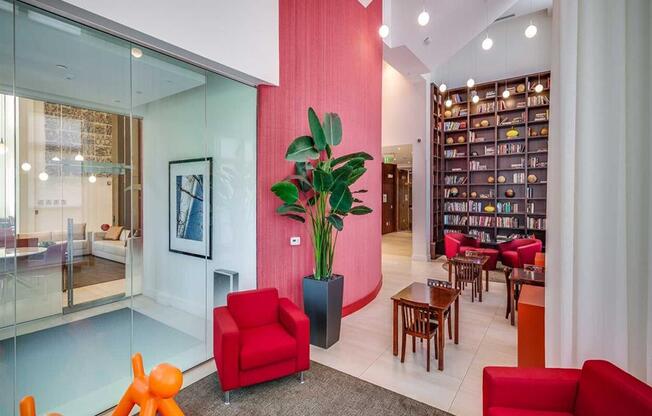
point(322, 302)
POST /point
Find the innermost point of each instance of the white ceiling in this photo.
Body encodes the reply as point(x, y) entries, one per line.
point(453, 23)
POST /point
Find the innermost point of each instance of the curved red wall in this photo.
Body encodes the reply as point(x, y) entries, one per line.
point(330, 59)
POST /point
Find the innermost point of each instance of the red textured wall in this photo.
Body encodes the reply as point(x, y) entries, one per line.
point(330, 59)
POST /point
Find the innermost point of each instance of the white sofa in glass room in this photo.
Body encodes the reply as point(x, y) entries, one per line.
point(115, 250)
point(80, 238)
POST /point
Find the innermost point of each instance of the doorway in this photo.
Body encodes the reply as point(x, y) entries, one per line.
point(397, 200)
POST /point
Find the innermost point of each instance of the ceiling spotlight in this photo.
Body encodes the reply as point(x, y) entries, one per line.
point(423, 18)
point(506, 94)
point(442, 87)
point(92, 179)
point(530, 31)
point(43, 176)
point(487, 43)
point(56, 159)
point(383, 31)
point(136, 52)
point(475, 99)
point(538, 88)
point(448, 103)
point(26, 167)
point(79, 157)
point(470, 82)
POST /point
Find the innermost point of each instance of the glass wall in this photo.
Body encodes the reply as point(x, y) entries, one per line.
point(129, 186)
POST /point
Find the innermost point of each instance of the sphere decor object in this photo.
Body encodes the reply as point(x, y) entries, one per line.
point(520, 88)
point(544, 131)
point(491, 179)
point(501, 179)
point(533, 133)
point(510, 193)
point(105, 227)
point(461, 139)
point(532, 178)
point(511, 133)
point(450, 140)
point(474, 194)
point(448, 113)
point(454, 192)
point(476, 124)
point(463, 194)
point(484, 123)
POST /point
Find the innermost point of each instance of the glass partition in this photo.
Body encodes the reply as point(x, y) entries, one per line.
point(129, 184)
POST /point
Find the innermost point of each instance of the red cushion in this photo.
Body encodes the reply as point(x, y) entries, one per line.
point(605, 389)
point(508, 411)
point(265, 345)
point(253, 308)
point(510, 258)
point(493, 258)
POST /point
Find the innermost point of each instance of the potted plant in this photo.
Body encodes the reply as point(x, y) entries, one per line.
point(319, 194)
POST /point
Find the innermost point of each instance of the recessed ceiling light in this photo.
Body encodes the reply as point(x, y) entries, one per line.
point(136, 52)
point(424, 18)
point(383, 31)
point(61, 66)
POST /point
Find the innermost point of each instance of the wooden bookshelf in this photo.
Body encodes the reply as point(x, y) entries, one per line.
point(475, 146)
point(436, 178)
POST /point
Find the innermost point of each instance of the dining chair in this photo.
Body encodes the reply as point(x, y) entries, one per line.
point(417, 322)
point(447, 314)
point(467, 270)
point(478, 253)
point(508, 272)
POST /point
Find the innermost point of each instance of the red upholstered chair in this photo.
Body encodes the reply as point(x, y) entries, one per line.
point(598, 389)
point(259, 337)
point(518, 252)
point(457, 243)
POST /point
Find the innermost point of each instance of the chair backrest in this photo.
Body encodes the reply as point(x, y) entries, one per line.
point(605, 389)
point(467, 269)
point(416, 318)
point(439, 283)
point(507, 270)
point(253, 308)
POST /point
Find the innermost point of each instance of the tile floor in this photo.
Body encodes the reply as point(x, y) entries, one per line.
point(364, 349)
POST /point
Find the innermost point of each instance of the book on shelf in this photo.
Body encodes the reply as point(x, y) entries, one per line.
point(545, 82)
point(509, 105)
point(536, 162)
point(530, 207)
point(507, 222)
point(483, 236)
point(455, 219)
point(448, 153)
point(457, 98)
point(506, 149)
point(474, 138)
point(490, 94)
point(454, 125)
point(481, 221)
point(489, 150)
point(509, 120)
point(455, 207)
point(488, 107)
point(536, 223)
point(541, 115)
point(537, 100)
point(455, 180)
point(477, 165)
point(507, 207)
point(518, 177)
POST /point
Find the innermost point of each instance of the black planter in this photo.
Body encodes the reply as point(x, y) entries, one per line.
point(322, 302)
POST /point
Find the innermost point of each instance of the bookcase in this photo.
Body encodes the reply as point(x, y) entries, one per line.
point(490, 160)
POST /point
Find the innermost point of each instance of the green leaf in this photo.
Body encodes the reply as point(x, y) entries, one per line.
point(301, 150)
point(311, 201)
point(342, 174)
point(323, 180)
point(360, 210)
point(301, 169)
point(303, 182)
point(346, 158)
point(329, 151)
point(356, 162)
point(355, 175)
point(285, 208)
point(333, 129)
point(336, 221)
point(287, 191)
point(295, 217)
point(316, 130)
point(341, 198)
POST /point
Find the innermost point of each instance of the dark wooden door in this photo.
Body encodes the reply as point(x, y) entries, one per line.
point(390, 177)
point(404, 200)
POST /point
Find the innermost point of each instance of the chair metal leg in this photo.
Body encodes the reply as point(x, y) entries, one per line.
point(227, 397)
point(301, 379)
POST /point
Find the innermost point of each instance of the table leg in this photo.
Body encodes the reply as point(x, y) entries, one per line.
point(511, 302)
point(450, 272)
point(480, 286)
point(440, 339)
point(457, 320)
point(395, 328)
point(487, 280)
point(508, 304)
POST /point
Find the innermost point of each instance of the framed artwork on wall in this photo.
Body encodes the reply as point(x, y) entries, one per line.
point(190, 200)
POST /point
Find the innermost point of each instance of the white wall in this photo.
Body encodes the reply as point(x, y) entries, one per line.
point(403, 122)
point(242, 34)
point(511, 55)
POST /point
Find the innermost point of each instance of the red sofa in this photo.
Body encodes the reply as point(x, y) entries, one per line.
point(518, 252)
point(455, 243)
point(598, 389)
point(259, 337)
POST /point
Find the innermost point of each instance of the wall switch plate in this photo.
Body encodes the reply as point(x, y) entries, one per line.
point(295, 241)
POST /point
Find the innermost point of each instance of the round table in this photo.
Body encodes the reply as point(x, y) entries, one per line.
point(6, 253)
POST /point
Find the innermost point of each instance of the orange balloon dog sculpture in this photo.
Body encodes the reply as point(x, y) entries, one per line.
point(154, 393)
point(28, 407)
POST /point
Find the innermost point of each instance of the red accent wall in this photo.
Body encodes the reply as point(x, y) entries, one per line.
point(330, 59)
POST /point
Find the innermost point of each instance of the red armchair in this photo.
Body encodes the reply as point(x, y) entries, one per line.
point(455, 243)
point(518, 252)
point(598, 389)
point(259, 337)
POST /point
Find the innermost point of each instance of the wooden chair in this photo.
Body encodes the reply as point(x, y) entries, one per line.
point(417, 322)
point(476, 253)
point(447, 314)
point(508, 271)
point(467, 270)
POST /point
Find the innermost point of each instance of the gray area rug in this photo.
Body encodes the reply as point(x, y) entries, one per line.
point(325, 392)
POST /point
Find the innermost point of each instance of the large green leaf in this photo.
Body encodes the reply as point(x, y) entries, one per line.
point(301, 150)
point(301, 169)
point(316, 130)
point(287, 191)
point(295, 217)
point(341, 198)
point(303, 182)
point(360, 210)
point(286, 208)
point(342, 174)
point(323, 180)
point(332, 129)
point(356, 162)
point(336, 221)
point(355, 175)
point(346, 158)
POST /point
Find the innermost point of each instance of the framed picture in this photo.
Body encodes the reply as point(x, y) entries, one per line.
point(191, 207)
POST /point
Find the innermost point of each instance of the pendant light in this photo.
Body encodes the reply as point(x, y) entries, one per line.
point(531, 30)
point(79, 157)
point(56, 159)
point(383, 31)
point(448, 103)
point(476, 98)
point(487, 43)
point(470, 82)
point(424, 17)
point(505, 91)
point(442, 87)
point(26, 167)
point(43, 176)
point(92, 178)
point(538, 88)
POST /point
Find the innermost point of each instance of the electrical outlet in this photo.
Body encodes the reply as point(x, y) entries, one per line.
point(295, 241)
